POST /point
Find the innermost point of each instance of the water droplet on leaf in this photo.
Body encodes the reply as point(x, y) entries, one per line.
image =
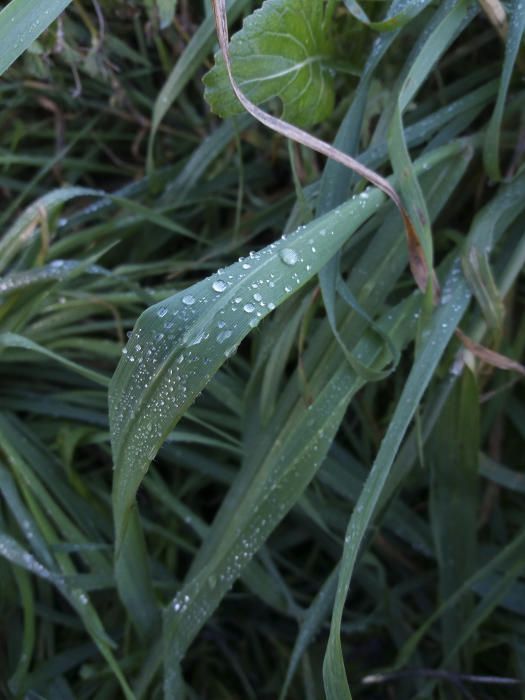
point(219, 286)
point(289, 256)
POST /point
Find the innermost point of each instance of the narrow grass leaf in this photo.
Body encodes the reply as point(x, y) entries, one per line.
point(161, 373)
point(24, 518)
point(510, 559)
point(18, 679)
point(21, 22)
point(420, 244)
point(166, 9)
point(282, 476)
point(294, 133)
point(188, 63)
point(491, 146)
point(511, 479)
point(441, 329)
point(453, 459)
point(336, 179)
point(14, 340)
point(478, 272)
point(391, 22)
point(314, 617)
point(26, 225)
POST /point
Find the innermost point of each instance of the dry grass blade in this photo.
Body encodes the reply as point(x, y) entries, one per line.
point(497, 15)
point(490, 357)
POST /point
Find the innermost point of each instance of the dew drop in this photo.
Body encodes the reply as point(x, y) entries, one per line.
point(231, 351)
point(162, 311)
point(188, 300)
point(223, 336)
point(289, 256)
point(249, 308)
point(219, 286)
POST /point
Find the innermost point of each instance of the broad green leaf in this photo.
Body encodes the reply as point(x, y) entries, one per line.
point(157, 378)
point(21, 22)
point(281, 51)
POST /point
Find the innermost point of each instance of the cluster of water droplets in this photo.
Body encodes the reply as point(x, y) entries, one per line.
point(180, 343)
point(451, 282)
point(197, 600)
point(55, 270)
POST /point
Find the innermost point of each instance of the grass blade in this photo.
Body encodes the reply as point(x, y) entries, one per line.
point(491, 147)
point(21, 22)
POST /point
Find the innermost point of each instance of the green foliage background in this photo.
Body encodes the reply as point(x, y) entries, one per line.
point(240, 455)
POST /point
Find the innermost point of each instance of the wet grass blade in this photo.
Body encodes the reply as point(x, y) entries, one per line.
point(439, 334)
point(188, 63)
point(491, 148)
point(21, 22)
point(453, 459)
point(278, 482)
point(438, 41)
point(201, 327)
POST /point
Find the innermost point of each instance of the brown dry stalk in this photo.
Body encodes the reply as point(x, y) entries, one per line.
point(418, 264)
point(489, 357)
point(496, 15)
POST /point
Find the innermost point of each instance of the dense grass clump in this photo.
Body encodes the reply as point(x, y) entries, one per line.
point(242, 454)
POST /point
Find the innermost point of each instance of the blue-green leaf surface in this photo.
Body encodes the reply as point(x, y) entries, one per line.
point(21, 22)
